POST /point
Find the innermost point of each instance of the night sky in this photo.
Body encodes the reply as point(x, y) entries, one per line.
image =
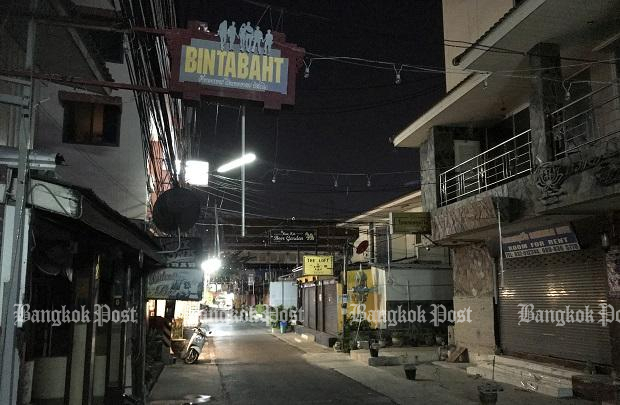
point(344, 114)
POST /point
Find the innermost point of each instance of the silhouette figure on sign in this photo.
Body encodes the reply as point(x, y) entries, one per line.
point(242, 38)
point(249, 36)
point(232, 35)
point(258, 38)
point(268, 42)
point(222, 31)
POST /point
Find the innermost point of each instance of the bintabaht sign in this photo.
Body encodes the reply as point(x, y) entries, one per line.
point(235, 62)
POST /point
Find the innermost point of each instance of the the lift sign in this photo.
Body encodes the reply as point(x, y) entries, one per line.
point(204, 62)
point(540, 242)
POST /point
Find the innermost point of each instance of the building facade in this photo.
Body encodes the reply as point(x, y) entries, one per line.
point(519, 166)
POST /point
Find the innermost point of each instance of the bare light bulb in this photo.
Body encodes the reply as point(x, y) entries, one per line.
point(398, 79)
point(307, 72)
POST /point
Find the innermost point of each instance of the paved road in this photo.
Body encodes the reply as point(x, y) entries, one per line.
point(245, 364)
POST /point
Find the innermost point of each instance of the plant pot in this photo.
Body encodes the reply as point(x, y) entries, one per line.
point(374, 352)
point(487, 393)
point(274, 330)
point(178, 346)
point(410, 371)
point(397, 341)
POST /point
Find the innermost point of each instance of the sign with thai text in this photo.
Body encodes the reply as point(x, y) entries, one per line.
point(541, 241)
point(183, 253)
point(292, 237)
point(318, 265)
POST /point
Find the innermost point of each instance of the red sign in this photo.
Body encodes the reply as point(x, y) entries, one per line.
point(208, 64)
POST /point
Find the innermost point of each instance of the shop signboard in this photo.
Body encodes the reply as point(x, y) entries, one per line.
point(240, 61)
point(410, 222)
point(540, 241)
point(318, 265)
point(175, 284)
point(294, 237)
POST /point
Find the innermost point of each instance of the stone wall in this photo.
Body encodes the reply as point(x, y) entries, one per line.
point(474, 272)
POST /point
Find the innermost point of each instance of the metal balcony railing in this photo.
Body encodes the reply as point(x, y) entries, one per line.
point(495, 166)
point(585, 120)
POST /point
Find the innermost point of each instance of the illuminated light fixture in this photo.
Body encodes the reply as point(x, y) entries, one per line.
point(336, 182)
point(243, 160)
point(273, 179)
point(368, 184)
point(211, 265)
point(196, 172)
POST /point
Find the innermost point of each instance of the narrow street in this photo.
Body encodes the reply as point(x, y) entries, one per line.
point(245, 364)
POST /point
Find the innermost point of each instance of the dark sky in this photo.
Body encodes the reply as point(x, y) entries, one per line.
point(344, 114)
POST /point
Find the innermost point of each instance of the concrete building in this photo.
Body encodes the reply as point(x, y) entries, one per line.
point(519, 167)
point(405, 270)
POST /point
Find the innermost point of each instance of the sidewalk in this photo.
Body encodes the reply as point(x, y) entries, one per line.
point(436, 383)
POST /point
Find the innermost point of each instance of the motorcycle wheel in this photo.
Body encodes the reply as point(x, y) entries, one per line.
point(192, 356)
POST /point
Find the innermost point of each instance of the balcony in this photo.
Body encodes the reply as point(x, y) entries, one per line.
point(500, 164)
point(585, 121)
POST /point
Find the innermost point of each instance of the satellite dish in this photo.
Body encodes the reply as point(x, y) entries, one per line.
point(177, 208)
point(361, 247)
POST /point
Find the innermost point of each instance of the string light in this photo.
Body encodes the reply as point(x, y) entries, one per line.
point(398, 80)
point(368, 181)
point(307, 71)
point(336, 182)
point(273, 179)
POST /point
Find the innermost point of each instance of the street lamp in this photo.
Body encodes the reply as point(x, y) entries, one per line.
point(242, 161)
point(211, 265)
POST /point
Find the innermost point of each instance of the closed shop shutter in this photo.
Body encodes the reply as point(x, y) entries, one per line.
point(305, 306)
point(330, 304)
point(311, 307)
point(552, 282)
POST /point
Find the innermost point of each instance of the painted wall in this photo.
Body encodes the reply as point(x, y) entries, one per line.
point(115, 174)
point(467, 20)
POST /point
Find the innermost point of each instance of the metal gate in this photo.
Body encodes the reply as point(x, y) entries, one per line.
point(552, 282)
point(330, 308)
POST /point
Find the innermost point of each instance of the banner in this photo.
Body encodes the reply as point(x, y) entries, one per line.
point(540, 242)
point(175, 284)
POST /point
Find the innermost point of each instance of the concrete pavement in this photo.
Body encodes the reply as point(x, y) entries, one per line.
point(245, 364)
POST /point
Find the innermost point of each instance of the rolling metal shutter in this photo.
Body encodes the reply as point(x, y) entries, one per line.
point(552, 282)
point(330, 304)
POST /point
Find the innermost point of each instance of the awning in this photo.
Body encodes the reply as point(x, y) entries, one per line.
point(83, 205)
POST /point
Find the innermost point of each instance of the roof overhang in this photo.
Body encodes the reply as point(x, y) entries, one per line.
point(406, 203)
point(565, 22)
point(84, 206)
point(478, 100)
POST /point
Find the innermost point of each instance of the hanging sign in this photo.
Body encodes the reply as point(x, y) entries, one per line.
point(540, 242)
point(175, 284)
point(292, 237)
point(318, 265)
point(183, 254)
point(243, 61)
point(410, 222)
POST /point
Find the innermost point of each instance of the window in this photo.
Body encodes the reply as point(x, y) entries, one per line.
point(91, 119)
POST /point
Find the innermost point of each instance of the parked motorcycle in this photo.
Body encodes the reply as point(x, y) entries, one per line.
point(195, 344)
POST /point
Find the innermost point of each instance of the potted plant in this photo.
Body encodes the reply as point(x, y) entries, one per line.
point(410, 371)
point(398, 339)
point(374, 349)
point(275, 325)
